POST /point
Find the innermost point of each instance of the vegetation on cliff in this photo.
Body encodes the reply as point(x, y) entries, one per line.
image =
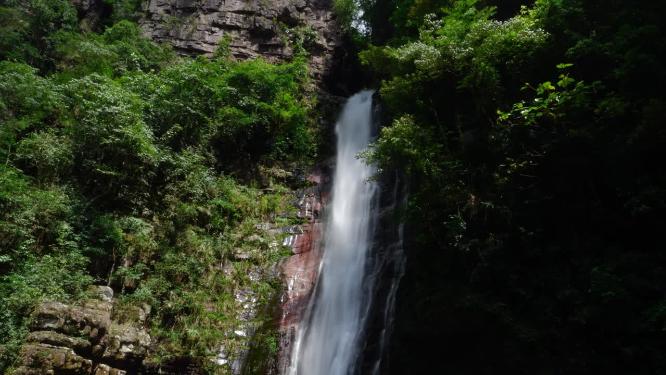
point(123, 164)
point(531, 134)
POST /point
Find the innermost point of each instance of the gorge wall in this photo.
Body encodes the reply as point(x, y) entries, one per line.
point(248, 28)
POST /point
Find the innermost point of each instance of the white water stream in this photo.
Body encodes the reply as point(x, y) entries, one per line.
point(328, 342)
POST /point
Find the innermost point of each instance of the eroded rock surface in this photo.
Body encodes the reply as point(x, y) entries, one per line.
point(250, 28)
point(46, 359)
point(299, 272)
point(90, 320)
point(125, 344)
point(82, 339)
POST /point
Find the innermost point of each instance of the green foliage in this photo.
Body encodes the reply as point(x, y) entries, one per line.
point(124, 9)
point(13, 32)
point(248, 110)
point(45, 155)
point(407, 15)
point(193, 277)
point(269, 108)
point(27, 102)
point(405, 145)
point(32, 217)
point(27, 25)
point(40, 254)
point(347, 12)
point(552, 102)
point(223, 51)
point(119, 50)
point(115, 153)
point(116, 159)
point(467, 45)
point(532, 215)
point(59, 276)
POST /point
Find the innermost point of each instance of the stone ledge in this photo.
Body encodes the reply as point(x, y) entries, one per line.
point(83, 339)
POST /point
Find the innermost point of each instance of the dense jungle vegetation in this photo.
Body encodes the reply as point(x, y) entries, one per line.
point(531, 134)
point(123, 164)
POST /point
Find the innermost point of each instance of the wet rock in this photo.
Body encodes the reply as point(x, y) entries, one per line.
point(299, 272)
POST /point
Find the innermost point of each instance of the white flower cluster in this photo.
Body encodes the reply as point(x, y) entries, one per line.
point(425, 57)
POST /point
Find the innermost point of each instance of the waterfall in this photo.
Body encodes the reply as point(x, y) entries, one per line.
point(391, 267)
point(328, 343)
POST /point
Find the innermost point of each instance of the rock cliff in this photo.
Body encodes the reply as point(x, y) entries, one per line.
point(248, 28)
point(300, 271)
point(84, 339)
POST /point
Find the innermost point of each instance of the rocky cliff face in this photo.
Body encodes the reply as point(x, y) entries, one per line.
point(299, 272)
point(84, 339)
point(248, 28)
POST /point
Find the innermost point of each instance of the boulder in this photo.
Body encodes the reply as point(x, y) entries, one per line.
point(108, 370)
point(47, 359)
point(79, 345)
point(103, 293)
point(125, 344)
point(91, 320)
point(83, 338)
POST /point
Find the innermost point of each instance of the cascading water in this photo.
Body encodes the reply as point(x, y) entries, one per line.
point(328, 342)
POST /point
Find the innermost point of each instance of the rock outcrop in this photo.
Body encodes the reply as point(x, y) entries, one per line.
point(248, 28)
point(82, 339)
point(300, 271)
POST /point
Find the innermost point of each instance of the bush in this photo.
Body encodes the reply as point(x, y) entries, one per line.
point(27, 102)
point(114, 151)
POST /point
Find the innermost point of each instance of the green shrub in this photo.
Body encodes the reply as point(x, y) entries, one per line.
point(114, 151)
